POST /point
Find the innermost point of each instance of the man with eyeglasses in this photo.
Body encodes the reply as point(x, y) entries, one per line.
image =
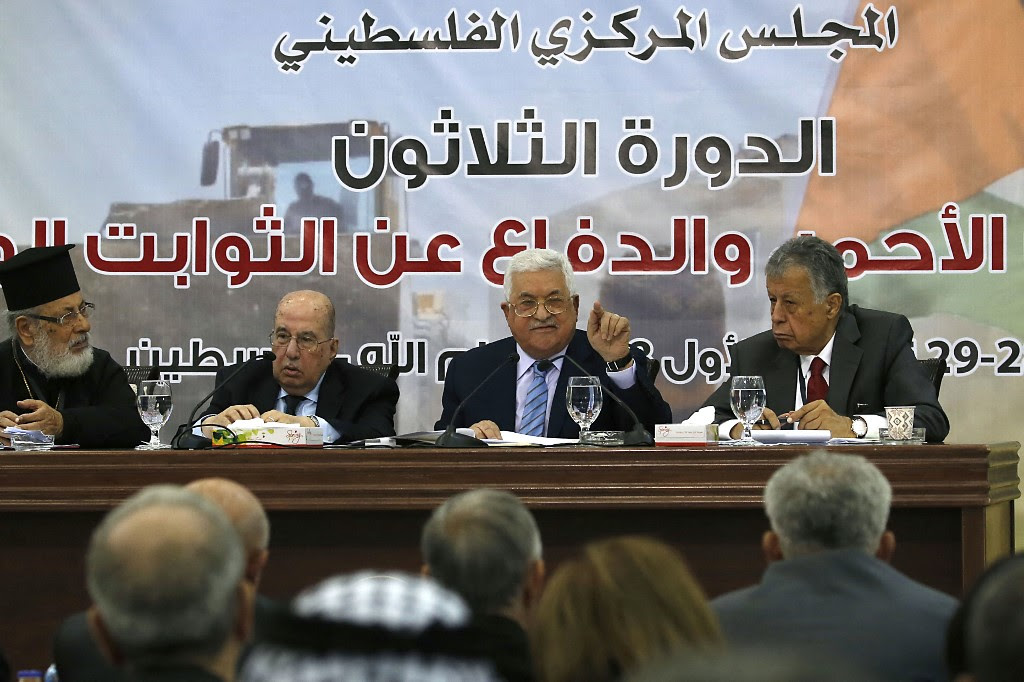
point(541, 308)
point(307, 384)
point(51, 378)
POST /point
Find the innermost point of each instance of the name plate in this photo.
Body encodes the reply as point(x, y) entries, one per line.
point(685, 434)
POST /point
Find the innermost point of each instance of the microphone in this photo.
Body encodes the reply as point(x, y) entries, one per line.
point(637, 435)
point(450, 439)
point(184, 439)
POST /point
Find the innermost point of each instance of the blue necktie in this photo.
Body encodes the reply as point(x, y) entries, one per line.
point(536, 407)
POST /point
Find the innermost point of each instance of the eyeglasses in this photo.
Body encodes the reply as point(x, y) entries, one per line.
point(528, 307)
point(305, 342)
point(68, 318)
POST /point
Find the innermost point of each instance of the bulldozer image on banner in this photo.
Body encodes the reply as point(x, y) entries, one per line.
point(289, 167)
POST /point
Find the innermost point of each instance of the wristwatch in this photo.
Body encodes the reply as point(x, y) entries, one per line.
point(859, 426)
point(316, 422)
point(620, 364)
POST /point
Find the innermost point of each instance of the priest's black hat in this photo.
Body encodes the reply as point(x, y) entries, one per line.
point(37, 276)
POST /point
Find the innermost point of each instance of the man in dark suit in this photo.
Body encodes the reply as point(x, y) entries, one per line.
point(829, 589)
point(541, 308)
point(306, 384)
point(827, 364)
point(485, 546)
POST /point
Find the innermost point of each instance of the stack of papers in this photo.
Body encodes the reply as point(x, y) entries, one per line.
point(508, 439)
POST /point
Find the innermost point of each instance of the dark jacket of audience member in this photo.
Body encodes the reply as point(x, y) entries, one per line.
point(986, 636)
point(829, 589)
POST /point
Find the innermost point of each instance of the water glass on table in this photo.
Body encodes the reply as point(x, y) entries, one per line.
point(583, 400)
point(154, 403)
point(747, 398)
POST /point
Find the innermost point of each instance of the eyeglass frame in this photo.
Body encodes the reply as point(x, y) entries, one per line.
point(541, 302)
point(85, 310)
point(298, 342)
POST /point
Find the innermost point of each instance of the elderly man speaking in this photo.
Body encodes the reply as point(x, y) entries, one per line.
point(51, 378)
point(541, 308)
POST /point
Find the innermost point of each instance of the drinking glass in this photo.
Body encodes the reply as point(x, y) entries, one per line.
point(154, 401)
point(748, 398)
point(583, 399)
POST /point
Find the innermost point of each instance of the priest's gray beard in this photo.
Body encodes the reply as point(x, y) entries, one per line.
point(55, 361)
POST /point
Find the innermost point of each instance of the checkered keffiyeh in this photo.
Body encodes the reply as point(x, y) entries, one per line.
point(398, 601)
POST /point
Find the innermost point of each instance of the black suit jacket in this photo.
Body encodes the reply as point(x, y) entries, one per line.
point(497, 401)
point(357, 402)
point(872, 366)
point(99, 406)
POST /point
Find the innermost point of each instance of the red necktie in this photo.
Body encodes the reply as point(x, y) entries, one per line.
point(817, 387)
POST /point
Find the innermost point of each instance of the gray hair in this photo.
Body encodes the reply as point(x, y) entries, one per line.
point(479, 544)
point(177, 597)
point(535, 260)
point(824, 501)
point(11, 318)
point(994, 626)
point(820, 259)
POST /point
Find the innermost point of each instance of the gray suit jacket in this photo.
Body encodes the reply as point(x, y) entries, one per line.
point(873, 366)
point(847, 604)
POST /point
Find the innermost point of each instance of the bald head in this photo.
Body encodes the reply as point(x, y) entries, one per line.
point(312, 303)
point(164, 571)
point(245, 513)
point(242, 508)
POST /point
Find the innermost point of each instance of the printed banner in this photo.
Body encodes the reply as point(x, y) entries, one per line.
point(208, 157)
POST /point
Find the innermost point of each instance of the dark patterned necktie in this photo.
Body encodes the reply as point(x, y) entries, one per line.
point(291, 404)
point(817, 387)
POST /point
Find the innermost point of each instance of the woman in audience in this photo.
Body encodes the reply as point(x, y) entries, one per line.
point(624, 602)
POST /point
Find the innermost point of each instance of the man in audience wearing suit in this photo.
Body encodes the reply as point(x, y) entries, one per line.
point(51, 378)
point(827, 364)
point(484, 545)
point(829, 588)
point(541, 308)
point(75, 651)
point(166, 572)
point(306, 384)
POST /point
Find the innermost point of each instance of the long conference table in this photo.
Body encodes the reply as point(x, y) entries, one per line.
point(337, 510)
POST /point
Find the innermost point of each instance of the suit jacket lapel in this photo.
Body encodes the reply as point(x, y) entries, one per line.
point(332, 390)
point(578, 347)
point(780, 382)
point(845, 360)
point(503, 401)
point(265, 397)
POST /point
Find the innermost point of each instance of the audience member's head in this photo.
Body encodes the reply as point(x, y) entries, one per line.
point(246, 514)
point(484, 545)
point(165, 572)
point(992, 627)
point(750, 665)
point(625, 602)
point(370, 627)
point(826, 501)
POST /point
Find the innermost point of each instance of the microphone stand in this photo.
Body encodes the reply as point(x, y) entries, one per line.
point(451, 439)
point(184, 439)
point(637, 435)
